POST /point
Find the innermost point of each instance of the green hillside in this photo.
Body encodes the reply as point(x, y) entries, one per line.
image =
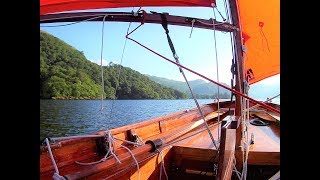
point(65, 73)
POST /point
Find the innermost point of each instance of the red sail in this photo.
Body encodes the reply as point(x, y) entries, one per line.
point(54, 6)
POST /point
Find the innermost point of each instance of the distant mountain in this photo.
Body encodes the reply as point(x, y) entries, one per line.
point(65, 73)
point(264, 91)
point(201, 88)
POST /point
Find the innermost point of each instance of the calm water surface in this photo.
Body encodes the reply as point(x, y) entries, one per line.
point(74, 117)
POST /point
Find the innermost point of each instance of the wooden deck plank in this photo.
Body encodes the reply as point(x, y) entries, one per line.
point(266, 138)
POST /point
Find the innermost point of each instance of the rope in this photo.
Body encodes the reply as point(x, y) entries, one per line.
point(101, 54)
point(74, 22)
point(213, 24)
point(56, 175)
point(95, 162)
point(111, 151)
point(106, 156)
point(215, 6)
point(162, 167)
point(264, 101)
point(175, 56)
point(233, 70)
point(131, 165)
point(119, 71)
point(200, 75)
point(245, 140)
point(226, 10)
point(129, 142)
point(111, 146)
point(134, 160)
point(217, 67)
point(262, 33)
point(192, 23)
point(51, 156)
point(140, 140)
point(235, 168)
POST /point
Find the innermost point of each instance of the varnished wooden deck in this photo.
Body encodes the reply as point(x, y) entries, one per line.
point(264, 151)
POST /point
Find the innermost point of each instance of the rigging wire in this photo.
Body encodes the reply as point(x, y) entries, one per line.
point(61, 25)
point(217, 67)
point(209, 24)
point(268, 99)
point(202, 76)
point(214, 6)
point(81, 16)
point(226, 10)
point(89, 19)
point(118, 75)
point(176, 57)
point(200, 111)
point(233, 69)
point(101, 55)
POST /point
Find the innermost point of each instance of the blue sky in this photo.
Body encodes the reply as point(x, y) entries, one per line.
point(197, 52)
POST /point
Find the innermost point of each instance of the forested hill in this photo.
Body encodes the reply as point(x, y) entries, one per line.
point(65, 73)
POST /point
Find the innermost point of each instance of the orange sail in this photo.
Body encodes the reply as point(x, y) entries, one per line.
point(260, 23)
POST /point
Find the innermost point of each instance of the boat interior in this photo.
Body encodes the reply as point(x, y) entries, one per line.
point(174, 146)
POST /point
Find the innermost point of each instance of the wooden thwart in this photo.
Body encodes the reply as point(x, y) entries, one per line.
point(226, 153)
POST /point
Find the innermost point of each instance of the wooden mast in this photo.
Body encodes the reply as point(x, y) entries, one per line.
point(239, 66)
point(231, 138)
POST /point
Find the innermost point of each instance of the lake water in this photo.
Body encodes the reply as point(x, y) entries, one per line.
point(74, 117)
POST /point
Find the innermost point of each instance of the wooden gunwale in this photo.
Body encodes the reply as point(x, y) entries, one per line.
point(125, 156)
